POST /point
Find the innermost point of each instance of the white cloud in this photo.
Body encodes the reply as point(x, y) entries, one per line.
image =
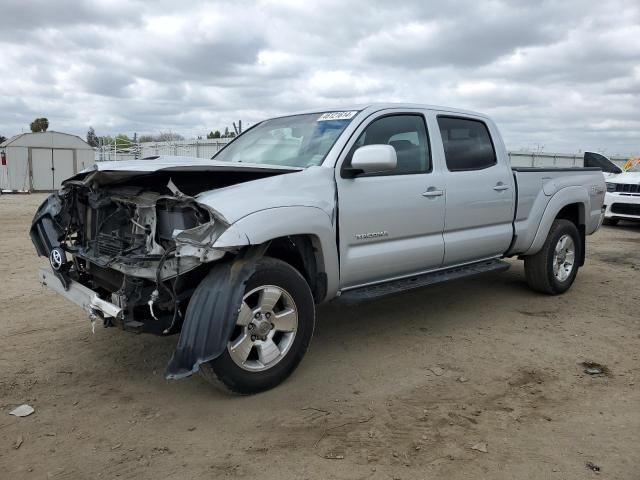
point(341, 84)
point(562, 74)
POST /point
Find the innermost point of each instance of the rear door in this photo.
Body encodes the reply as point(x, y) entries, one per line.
point(479, 191)
point(390, 224)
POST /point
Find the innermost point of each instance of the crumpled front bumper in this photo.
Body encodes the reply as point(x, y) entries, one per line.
point(80, 295)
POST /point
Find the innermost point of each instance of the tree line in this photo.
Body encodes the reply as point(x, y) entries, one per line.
point(122, 139)
point(217, 134)
point(42, 125)
point(38, 125)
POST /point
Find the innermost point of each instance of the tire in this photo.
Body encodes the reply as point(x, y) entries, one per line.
point(612, 222)
point(539, 268)
point(271, 277)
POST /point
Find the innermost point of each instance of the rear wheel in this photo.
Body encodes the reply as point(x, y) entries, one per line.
point(554, 268)
point(273, 330)
point(612, 222)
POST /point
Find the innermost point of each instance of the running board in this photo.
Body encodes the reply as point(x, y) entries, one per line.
point(409, 283)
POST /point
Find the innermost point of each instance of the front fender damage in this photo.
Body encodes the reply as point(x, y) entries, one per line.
point(212, 313)
point(208, 241)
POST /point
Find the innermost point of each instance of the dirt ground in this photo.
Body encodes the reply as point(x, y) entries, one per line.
point(398, 388)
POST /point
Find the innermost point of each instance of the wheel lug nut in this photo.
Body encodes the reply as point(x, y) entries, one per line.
point(253, 338)
point(257, 315)
point(250, 327)
point(268, 315)
point(273, 325)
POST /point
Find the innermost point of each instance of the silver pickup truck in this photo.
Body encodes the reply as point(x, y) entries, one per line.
point(355, 203)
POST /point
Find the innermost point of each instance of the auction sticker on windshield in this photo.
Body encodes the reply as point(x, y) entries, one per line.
point(337, 115)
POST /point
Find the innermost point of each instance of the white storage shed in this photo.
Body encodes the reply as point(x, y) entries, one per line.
point(41, 161)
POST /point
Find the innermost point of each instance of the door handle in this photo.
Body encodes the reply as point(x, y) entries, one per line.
point(432, 192)
point(500, 187)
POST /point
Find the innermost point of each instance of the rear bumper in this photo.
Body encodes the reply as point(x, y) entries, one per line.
point(80, 295)
point(624, 206)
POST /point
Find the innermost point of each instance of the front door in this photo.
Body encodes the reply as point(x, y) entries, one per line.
point(390, 224)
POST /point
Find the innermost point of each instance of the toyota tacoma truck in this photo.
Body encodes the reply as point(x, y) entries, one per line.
point(234, 253)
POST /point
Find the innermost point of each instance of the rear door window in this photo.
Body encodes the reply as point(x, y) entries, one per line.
point(467, 144)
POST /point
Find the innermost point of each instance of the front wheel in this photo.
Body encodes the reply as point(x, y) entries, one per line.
point(273, 330)
point(554, 268)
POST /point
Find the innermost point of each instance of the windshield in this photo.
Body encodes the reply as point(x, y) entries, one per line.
point(295, 141)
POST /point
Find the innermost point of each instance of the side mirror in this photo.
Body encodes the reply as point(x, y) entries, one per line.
point(372, 159)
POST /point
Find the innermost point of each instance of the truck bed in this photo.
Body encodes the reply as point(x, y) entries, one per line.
point(539, 189)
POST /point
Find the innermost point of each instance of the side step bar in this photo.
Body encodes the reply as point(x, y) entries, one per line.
point(409, 283)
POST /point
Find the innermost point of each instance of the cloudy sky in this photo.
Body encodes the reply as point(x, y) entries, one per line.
point(559, 75)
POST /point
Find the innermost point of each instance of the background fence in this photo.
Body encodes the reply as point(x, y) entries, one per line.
point(207, 148)
point(548, 159)
point(133, 151)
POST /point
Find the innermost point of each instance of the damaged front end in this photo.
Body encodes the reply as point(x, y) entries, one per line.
point(130, 252)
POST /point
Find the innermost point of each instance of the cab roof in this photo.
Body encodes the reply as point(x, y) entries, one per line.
point(375, 107)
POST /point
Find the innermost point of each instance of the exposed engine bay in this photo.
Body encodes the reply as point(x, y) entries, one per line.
point(141, 241)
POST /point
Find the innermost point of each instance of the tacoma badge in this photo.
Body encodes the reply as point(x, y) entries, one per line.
point(364, 236)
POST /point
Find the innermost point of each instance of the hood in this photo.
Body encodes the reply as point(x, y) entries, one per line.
point(132, 168)
point(632, 178)
point(233, 190)
point(311, 187)
point(153, 164)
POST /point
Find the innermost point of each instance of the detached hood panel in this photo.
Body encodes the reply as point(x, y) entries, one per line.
point(112, 172)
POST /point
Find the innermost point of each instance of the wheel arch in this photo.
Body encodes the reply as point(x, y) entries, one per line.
point(304, 253)
point(576, 214)
point(571, 204)
point(303, 237)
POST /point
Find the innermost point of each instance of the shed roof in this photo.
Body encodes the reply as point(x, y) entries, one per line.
point(49, 139)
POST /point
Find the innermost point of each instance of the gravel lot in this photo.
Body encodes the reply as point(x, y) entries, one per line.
point(397, 388)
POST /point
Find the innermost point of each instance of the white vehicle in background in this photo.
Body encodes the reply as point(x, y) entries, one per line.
point(622, 200)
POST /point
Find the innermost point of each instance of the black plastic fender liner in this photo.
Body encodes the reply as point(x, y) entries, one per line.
point(212, 313)
point(44, 230)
